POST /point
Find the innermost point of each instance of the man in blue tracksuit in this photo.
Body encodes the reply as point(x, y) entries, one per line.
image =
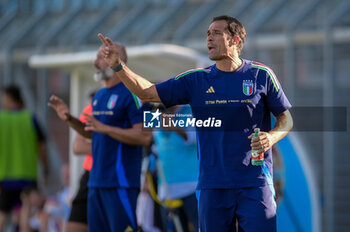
point(115, 127)
point(234, 96)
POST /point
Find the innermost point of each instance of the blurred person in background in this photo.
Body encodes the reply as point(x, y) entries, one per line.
point(177, 154)
point(21, 143)
point(46, 214)
point(77, 221)
point(278, 174)
point(33, 216)
point(147, 209)
point(115, 127)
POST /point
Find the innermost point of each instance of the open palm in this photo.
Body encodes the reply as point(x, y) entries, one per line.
point(60, 107)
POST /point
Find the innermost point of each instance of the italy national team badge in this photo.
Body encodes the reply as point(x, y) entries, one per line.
point(112, 100)
point(248, 87)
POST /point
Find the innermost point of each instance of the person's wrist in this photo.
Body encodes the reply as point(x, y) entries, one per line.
point(118, 66)
point(68, 117)
point(106, 129)
point(271, 138)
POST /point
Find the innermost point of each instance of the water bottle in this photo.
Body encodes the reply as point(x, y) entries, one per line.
point(257, 159)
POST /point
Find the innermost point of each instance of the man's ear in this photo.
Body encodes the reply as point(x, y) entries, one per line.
point(236, 40)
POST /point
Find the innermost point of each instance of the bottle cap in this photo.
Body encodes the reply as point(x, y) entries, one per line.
point(257, 130)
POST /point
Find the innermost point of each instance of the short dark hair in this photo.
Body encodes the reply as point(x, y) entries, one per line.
point(235, 27)
point(14, 93)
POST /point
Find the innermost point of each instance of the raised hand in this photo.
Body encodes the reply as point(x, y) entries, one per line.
point(110, 51)
point(60, 107)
